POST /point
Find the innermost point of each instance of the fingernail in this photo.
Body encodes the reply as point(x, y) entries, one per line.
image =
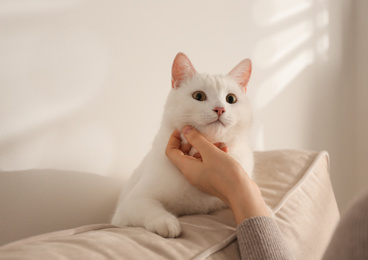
point(187, 129)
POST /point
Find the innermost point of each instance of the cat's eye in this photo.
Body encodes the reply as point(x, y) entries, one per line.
point(199, 95)
point(231, 99)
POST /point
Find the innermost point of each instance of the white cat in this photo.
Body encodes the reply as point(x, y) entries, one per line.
point(217, 106)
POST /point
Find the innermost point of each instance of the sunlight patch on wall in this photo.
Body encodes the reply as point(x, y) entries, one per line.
point(298, 38)
point(273, 49)
point(275, 84)
point(322, 19)
point(268, 12)
point(323, 43)
point(291, 49)
point(26, 7)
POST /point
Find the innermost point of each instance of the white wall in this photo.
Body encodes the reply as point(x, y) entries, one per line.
point(83, 83)
point(360, 82)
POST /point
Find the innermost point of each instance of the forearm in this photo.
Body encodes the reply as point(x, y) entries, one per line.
point(259, 236)
point(245, 200)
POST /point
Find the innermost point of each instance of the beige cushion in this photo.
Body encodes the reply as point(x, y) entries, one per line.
point(295, 184)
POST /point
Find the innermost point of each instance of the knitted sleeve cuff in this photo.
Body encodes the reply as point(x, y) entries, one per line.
point(261, 238)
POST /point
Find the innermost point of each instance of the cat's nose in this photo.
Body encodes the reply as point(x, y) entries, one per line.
point(219, 110)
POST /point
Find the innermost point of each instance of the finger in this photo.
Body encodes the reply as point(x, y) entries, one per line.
point(218, 145)
point(173, 146)
point(222, 147)
point(197, 156)
point(225, 149)
point(176, 156)
point(204, 147)
point(185, 148)
point(174, 141)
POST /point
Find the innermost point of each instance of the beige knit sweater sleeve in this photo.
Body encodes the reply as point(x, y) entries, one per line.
point(261, 238)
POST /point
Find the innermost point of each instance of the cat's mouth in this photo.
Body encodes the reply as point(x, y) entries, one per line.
point(217, 121)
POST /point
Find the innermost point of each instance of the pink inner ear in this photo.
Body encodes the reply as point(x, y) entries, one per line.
point(241, 73)
point(182, 69)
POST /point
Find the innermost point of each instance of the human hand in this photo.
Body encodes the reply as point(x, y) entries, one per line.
point(215, 172)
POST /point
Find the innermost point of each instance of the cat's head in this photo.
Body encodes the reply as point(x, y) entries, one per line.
point(216, 105)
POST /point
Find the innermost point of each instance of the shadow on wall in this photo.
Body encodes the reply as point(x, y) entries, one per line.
point(293, 36)
point(53, 67)
point(63, 106)
point(41, 201)
point(304, 94)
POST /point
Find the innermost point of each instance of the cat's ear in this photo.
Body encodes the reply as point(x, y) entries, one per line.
point(182, 69)
point(241, 73)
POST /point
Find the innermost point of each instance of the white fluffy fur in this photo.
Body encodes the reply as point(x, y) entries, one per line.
point(157, 191)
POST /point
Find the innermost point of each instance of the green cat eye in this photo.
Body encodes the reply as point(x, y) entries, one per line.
point(231, 99)
point(199, 95)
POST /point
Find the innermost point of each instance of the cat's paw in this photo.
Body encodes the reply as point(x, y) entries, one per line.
point(165, 226)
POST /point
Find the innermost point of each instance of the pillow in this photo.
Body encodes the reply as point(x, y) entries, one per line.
point(295, 184)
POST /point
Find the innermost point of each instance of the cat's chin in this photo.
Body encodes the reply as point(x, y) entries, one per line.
point(214, 132)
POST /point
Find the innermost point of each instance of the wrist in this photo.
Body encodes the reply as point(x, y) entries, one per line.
point(246, 201)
